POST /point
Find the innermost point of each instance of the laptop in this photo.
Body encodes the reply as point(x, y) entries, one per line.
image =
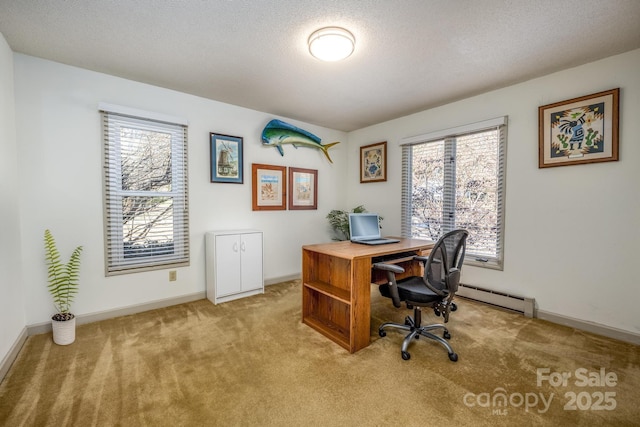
point(365, 229)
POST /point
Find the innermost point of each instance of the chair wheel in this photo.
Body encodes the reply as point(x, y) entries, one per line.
point(454, 307)
point(453, 357)
point(407, 321)
point(436, 312)
point(407, 356)
point(446, 335)
point(382, 333)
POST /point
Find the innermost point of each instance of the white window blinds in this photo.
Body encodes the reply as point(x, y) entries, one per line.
point(456, 179)
point(145, 191)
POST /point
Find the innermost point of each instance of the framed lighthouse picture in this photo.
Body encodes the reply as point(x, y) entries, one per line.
point(580, 130)
point(226, 158)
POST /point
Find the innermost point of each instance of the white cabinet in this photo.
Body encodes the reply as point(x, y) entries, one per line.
point(234, 264)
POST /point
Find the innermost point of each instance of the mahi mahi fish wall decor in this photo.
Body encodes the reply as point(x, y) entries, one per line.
point(277, 132)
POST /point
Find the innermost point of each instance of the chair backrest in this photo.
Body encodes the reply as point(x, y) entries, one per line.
point(442, 269)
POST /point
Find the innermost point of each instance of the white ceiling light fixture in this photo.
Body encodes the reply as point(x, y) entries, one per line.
point(331, 44)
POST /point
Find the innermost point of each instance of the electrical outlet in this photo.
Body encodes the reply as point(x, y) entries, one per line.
point(173, 276)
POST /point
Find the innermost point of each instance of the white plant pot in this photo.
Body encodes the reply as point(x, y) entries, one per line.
point(64, 332)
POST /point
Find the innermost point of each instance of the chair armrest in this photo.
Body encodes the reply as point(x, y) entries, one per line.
point(421, 258)
point(391, 270)
point(424, 259)
point(388, 267)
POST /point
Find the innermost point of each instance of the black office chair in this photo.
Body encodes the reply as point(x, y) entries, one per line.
point(436, 289)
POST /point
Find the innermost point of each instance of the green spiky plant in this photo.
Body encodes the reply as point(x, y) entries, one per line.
point(339, 221)
point(63, 278)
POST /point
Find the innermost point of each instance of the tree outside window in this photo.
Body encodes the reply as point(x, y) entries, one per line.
point(146, 221)
point(457, 182)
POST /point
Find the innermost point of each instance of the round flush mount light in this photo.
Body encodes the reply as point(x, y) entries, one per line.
point(331, 44)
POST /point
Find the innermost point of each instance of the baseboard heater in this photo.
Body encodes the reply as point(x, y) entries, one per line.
point(520, 304)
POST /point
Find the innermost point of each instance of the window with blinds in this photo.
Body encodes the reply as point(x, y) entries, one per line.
point(145, 191)
point(456, 179)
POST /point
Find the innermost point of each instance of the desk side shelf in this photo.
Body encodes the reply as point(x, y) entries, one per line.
point(326, 301)
point(334, 332)
point(327, 309)
point(330, 291)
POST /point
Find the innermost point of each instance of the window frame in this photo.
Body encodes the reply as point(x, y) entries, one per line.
point(444, 136)
point(114, 118)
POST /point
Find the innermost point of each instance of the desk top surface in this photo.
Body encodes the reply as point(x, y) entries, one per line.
point(348, 250)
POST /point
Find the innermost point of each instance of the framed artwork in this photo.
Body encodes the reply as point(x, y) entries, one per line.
point(226, 158)
point(303, 189)
point(580, 130)
point(269, 187)
point(373, 162)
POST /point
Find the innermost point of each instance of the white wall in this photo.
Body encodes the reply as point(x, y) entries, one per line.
point(12, 310)
point(60, 164)
point(571, 232)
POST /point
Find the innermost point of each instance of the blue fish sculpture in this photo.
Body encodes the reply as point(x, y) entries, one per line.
point(277, 132)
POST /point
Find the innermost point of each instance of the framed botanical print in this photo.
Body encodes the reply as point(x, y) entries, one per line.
point(303, 189)
point(579, 130)
point(226, 158)
point(269, 187)
point(373, 162)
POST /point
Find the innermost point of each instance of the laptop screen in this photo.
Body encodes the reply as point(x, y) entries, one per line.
point(364, 226)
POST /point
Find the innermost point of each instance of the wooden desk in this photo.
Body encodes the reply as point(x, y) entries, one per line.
point(336, 286)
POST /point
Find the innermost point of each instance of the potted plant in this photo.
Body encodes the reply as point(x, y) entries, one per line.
point(339, 221)
point(63, 285)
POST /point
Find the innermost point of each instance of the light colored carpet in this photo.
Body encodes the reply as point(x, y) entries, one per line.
point(251, 362)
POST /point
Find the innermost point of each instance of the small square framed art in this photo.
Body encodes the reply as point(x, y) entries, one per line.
point(226, 158)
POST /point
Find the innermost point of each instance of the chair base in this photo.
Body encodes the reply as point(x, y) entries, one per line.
point(416, 330)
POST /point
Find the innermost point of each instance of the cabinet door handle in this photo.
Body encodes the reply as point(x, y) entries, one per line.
point(235, 247)
point(242, 247)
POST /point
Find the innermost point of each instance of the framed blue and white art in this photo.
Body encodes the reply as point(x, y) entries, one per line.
point(373, 162)
point(226, 158)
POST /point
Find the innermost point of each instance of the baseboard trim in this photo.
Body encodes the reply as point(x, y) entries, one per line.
point(43, 328)
point(281, 279)
point(592, 327)
point(11, 356)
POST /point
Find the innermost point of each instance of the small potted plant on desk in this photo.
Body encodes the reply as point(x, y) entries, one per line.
point(63, 285)
point(339, 221)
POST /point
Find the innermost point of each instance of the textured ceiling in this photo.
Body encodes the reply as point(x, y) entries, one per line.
point(410, 54)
